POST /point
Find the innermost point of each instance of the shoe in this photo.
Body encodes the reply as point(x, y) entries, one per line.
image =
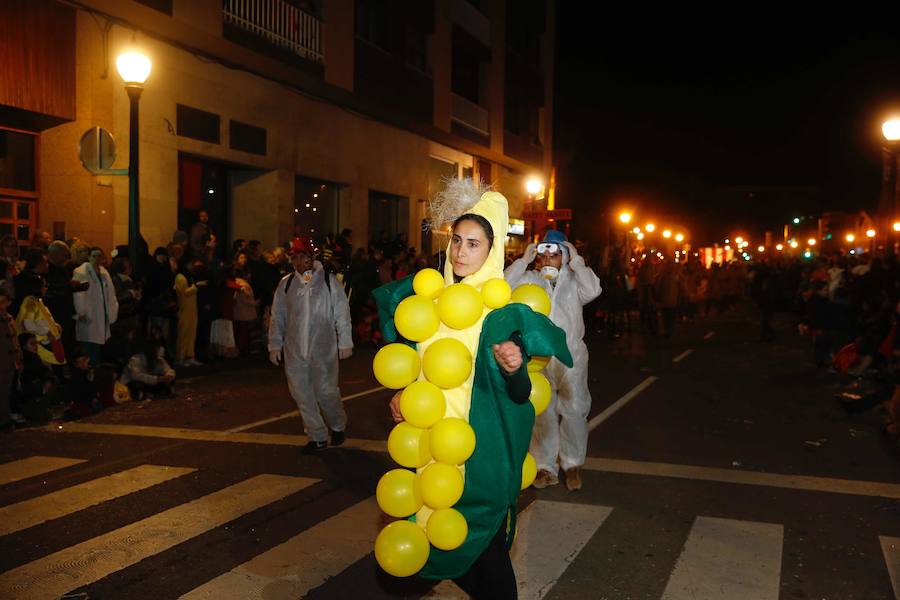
point(544, 479)
point(313, 447)
point(337, 438)
point(573, 479)
point(193, 362)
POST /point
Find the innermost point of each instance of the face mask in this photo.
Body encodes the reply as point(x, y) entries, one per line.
point(550, 273)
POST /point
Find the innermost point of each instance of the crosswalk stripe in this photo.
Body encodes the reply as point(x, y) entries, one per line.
point(29, 513)
point(550, 536)
point(724, 558)
point(33, 465)
point(890, 546)
point(858, 487)
point(303, 562)
point(94, 559)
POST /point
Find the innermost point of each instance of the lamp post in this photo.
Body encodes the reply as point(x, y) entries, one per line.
point(890, 183)
point(133, 68)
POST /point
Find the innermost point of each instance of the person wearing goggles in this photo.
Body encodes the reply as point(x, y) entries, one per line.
point(560, 432)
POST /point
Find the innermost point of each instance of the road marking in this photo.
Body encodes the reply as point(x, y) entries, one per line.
point(682, 356)
point(615, 406)
point(724, 558)
point(303, 562)
point(295, 413)
point(795, 482)
point(33, 465)
point(94, 559)
point(550, 536)
point(29, 513)
point(890, 546)
point(205, 435)
point(709, 335)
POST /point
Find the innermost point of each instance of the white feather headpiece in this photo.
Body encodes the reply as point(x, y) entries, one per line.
point(455, 200)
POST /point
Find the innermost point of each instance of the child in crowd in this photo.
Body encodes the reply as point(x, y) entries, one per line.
point(37, 384)
point(82, 391)
point(148, 373)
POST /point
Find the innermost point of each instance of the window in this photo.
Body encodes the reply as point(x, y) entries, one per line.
point(373, 22)
point(197, 124)
point(17, 160)
point(17, 218)
point(247, 138)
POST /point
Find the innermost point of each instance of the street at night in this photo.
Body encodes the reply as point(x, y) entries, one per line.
point(717, 467)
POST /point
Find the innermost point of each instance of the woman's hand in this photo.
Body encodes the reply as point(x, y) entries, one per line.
point(395, 408)
point(508, 356)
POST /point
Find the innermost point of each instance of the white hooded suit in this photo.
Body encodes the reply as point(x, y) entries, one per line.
point(309, 323)
point(560, 432)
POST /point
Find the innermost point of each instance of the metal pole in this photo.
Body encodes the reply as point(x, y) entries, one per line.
point(134, 200)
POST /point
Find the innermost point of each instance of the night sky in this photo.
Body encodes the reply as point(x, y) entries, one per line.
point(662, 118)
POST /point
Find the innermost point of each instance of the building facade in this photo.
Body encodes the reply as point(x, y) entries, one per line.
point(276, 116)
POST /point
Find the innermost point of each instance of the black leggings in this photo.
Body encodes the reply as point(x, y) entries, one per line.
point(491, 576)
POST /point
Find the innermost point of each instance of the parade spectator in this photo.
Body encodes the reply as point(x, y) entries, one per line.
point(245, 313)
point(147, 373)
point(96, 308)
point(81, 391)
point(186, 288)
point(30, 280)
point(128, 295)
point(60, 290)
point(200, 233)
point(34, 317)
point(668, 293)
point(10, 361)
point(160, 301)
point(9, 249)
point(37, 383)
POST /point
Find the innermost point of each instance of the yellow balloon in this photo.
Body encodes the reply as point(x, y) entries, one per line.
point(402, 549)
point(540, 392)
point(428, 283)
point(452, 441)
point(447, 529)
point(416, 318)
point(409, 446)
point(441, 485)
point(460, 305)
point(398, 493)
point(496, 293)
point(447, 363)
point(396, 366)
point(534, 296)
point(537, 363)
point(422, 404)
point(529, 471)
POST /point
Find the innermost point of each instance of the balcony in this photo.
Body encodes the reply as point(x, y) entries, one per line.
point(278, 23)
point(470, 115)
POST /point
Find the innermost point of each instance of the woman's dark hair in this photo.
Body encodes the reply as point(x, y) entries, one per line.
point(34, 257)
point(118, 265)
point(485, 224)
point(24, 337)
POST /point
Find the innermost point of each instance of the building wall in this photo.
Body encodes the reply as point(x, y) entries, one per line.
point(305, 136)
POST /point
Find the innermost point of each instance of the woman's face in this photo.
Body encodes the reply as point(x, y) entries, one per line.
point(469, 248)
point(241, 260)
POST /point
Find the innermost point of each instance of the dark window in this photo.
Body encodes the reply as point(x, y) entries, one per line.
point(160, 5)
point(466, 73)
point(247, 138)
point(373, 22)
point(198, 124)
point(17, 160)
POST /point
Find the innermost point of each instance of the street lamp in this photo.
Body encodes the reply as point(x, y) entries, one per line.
point(679, 237)
point(779, 247)
point(625, 217)
point(870, 233)
point(636, 230)
point(811, 241)
point(897, 226)
point(650, 227)
point(533, 186)
point(850, 237)
point(760, 248)
point(133, 68)
point(794, 244)
point(667, 234)
point(739, 240)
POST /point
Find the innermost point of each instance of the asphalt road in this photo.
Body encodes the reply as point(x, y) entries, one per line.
point(718, 467)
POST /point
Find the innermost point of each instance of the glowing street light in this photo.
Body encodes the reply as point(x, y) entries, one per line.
point(897, 226)
point(739, 240)
point(891, 130)
point(651, 228)
point(811, 241)
point(625, 217)
point(850, 237)
point(761, 249)
point(727, 241)
point(870, 233)
point(727, 248)
point(794, 244)
point(640, 236)
point(667, 234)
point(679, 237)
point(779, 247)
point(796, 220)
point(636, 230)
point(533, 186)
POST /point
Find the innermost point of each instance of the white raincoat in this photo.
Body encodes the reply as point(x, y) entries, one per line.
point(96, 307)
point(560, 432)
point(309, 323)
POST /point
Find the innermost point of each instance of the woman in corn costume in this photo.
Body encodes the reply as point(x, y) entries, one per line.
point(492, 400)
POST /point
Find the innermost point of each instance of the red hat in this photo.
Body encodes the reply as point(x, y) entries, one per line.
point(302, 243)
